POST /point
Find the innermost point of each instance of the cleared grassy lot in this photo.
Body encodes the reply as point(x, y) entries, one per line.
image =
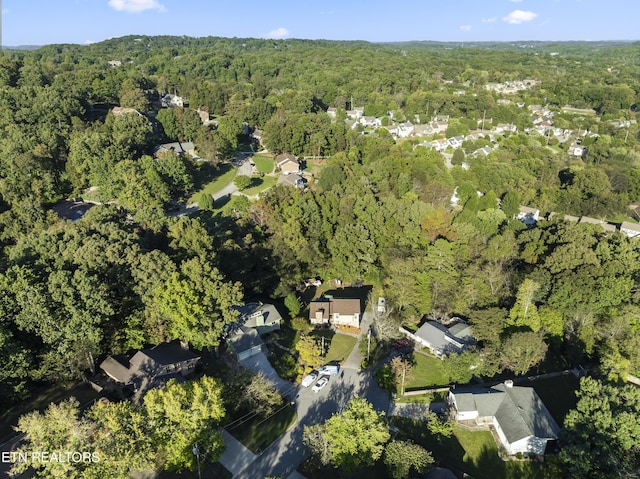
point(341, 346)
point(257, 434)
point(427, 372)
point(225, 176)
point(258, 185)
point(264, 163)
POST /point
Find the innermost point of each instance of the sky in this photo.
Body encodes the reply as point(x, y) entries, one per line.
point(40, 22)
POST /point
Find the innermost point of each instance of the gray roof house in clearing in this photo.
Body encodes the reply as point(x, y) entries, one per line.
point(442, 340)
point(151, 368)
point(263, 317)
point(521, 420)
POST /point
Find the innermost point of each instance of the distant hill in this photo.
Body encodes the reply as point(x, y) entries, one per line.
point(21, 47)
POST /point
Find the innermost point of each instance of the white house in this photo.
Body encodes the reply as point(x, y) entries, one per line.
point(529, 216)
point(332, 112)
point(404, 129)
point(456, 141)
point(632, 230)
point(171, 101)
point(522, 422)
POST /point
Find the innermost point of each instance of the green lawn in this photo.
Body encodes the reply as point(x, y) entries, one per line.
point(226, 174)
point(341, 346)
point(427, 372)
point(475, 453)
point(259, 433)
point(264, 164)
point(258, 185)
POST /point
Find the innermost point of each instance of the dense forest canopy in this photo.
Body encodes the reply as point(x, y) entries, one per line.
point(128, 275)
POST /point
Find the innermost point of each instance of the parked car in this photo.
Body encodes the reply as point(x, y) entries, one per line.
point(402, 343)
point(322, 382)
point(309, 379)
point(329, 370)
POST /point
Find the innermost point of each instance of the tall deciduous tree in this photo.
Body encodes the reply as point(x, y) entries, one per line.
point(521, 351)
point(401, 457)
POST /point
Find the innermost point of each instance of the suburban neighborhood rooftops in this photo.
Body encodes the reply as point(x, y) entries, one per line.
point(247, 339)
point(518, 410)
point(329, 306)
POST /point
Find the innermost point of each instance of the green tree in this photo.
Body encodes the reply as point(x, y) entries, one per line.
point(292, 303)
point(525, 312)
point(309, 351)
point(438, 428)
point(181, 415)
point(402, 457)
point(356, 437)
point(242, 182)
point(602, 434)
point(522, 351)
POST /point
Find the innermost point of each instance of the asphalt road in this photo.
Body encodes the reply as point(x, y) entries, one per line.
point(284, 455)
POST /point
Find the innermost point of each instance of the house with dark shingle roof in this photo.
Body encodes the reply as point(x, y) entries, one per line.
point(151, 368)
point(522, 422)
point(335, 311)
point(263, 317)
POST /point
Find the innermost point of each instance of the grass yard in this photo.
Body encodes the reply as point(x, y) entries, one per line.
point(258, 185)
point(225, 176)
point(422, 398)
point(475, 453)
point(259, 433)
point(264, 163)
point(427, 372)
point(341, 346)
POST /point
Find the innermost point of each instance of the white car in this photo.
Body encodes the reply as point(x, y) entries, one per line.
point(322, 382)
point(309, 379)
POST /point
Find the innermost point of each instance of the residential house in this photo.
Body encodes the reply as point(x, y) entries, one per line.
point(576, 150)
point(295, 180)
point(172, 101)
point(244, 342)
point(442, 340)
point(335, 311)
point(257, 135)
point(356, 113)
point(118, 111)
point(115, 63)
point(455, 142)
point(632, 230)
point(439, 127)
point(184, 148)
point(287, 163)
point(521, 421)
point(204, 116)
point(484, 151)
point(529, 216)
point(262, 317)
point(506, 127)
point(404, 129)
point(151, 368)
point(332, 112)
point(503, 101)
point(370, 122)
point(439, 145)
point(423, 130)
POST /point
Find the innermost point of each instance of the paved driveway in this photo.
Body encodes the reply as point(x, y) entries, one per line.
point(260, 363)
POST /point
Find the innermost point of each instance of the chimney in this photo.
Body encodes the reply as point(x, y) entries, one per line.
point(184, 345)
point(508, 383)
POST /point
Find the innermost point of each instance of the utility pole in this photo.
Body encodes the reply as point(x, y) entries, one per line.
point(368, 344)
point(196, 452)
point(404, 368)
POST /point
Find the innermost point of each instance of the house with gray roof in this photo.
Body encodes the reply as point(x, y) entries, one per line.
point(263, 317)
point(244, 343)
point(151, 368)
point(522, 422)
point(442, 340)
point(632, 230)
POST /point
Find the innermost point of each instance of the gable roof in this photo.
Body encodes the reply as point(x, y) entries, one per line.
point(518, 410)
point(258, 314)
point(246, 339)
point(329, 306)
point(445, 339)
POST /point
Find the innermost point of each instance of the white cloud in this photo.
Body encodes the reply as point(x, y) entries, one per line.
point(489, 20)
point(136, 6)
point(465, 28)
point(278, 33)
point(519, 16)
point(89, 42)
